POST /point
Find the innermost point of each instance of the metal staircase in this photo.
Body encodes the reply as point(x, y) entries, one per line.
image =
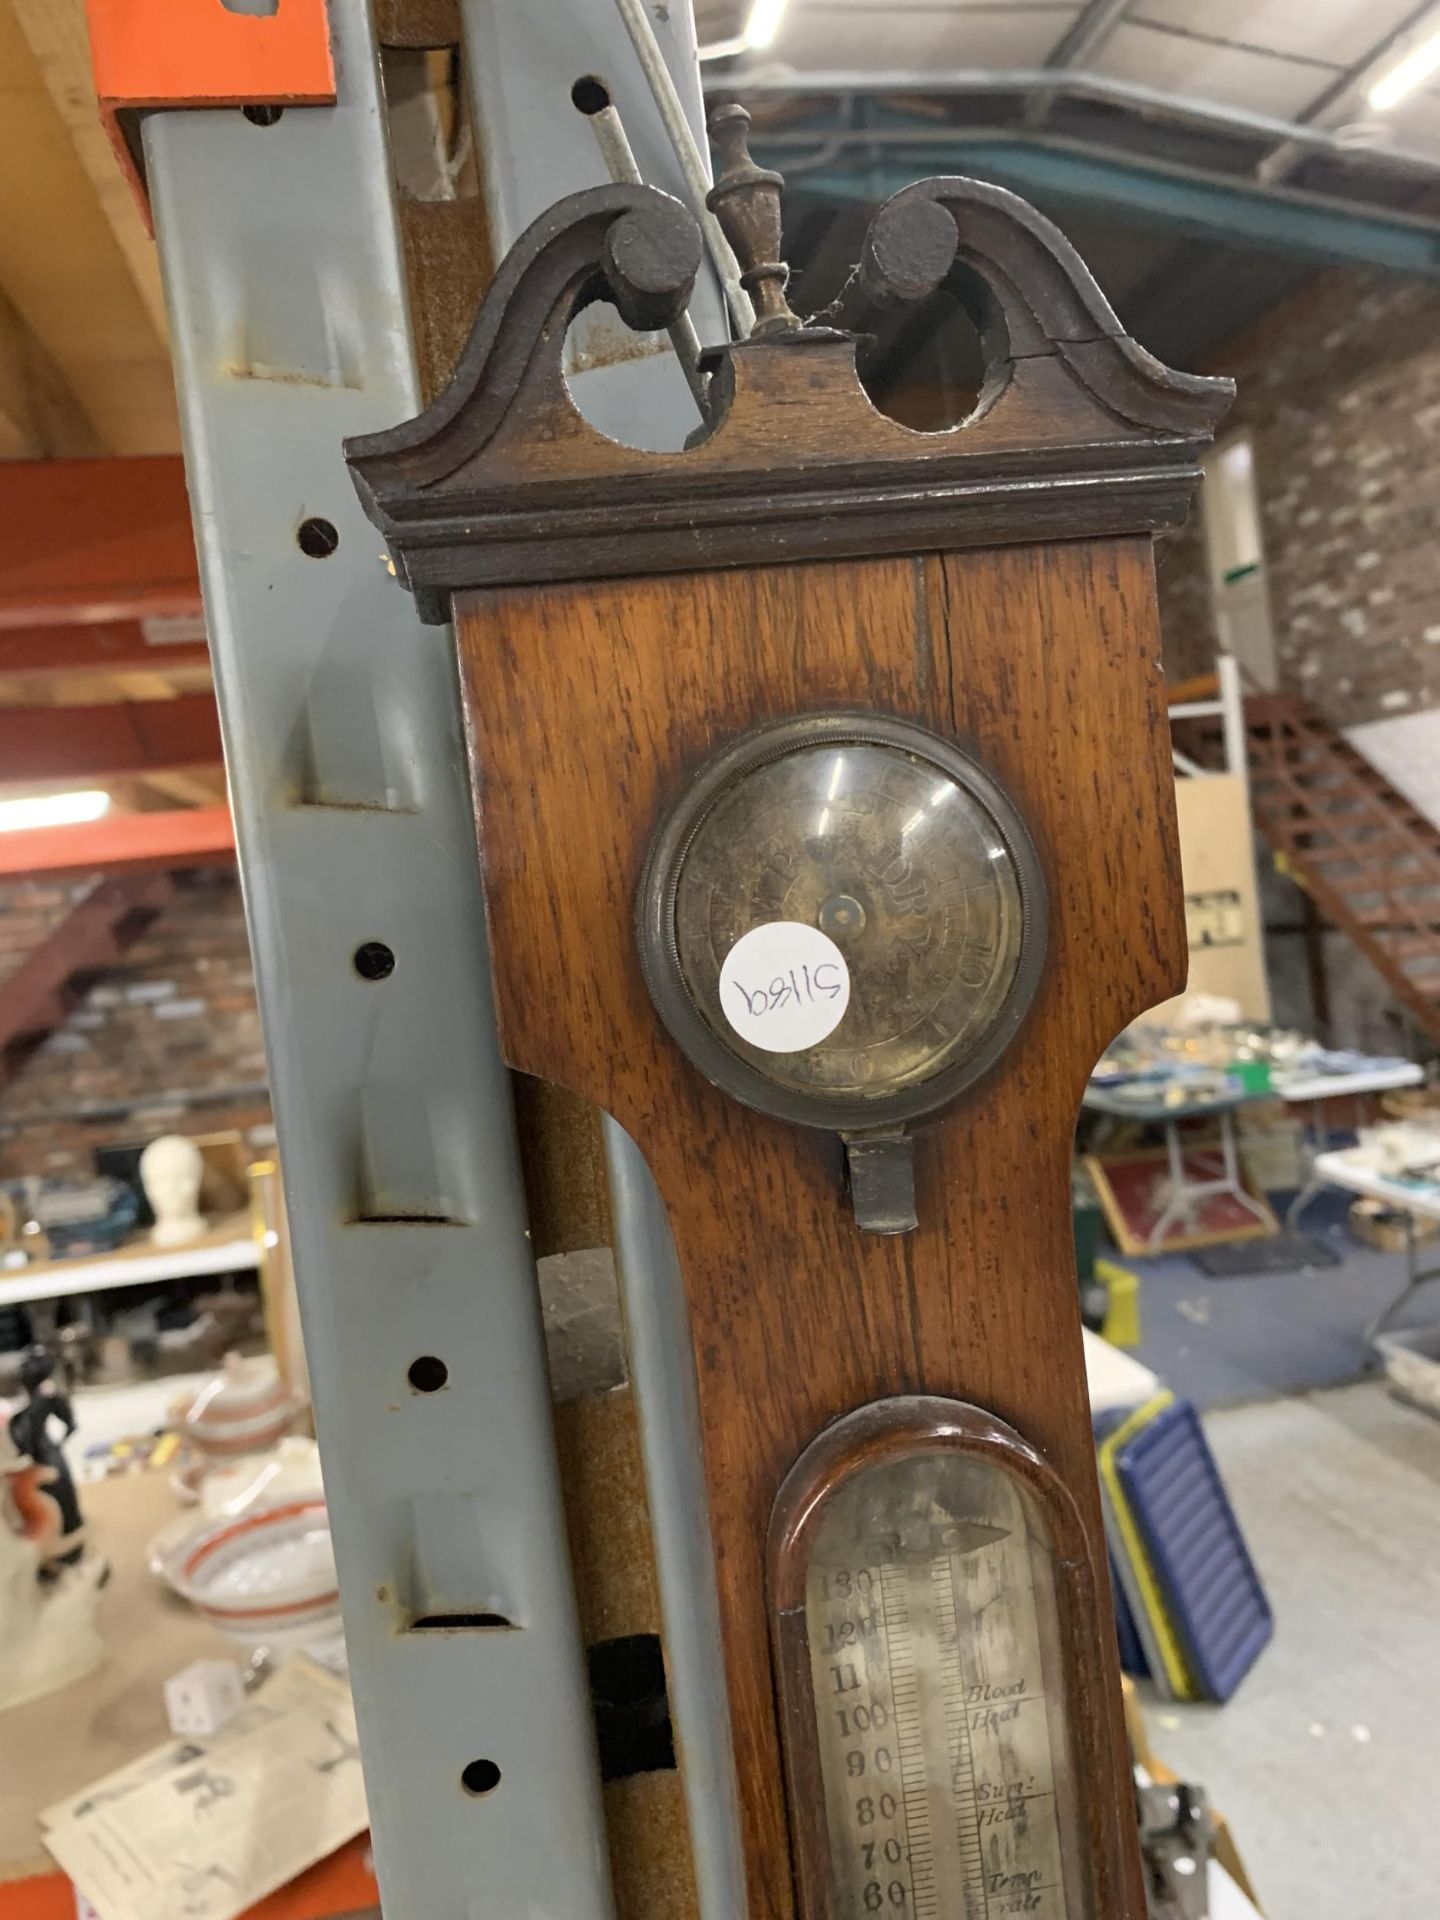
point(41, 991)
point(1367, 858)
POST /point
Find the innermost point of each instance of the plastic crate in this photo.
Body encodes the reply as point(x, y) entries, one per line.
point(1411, 1358)
point(1213, 1596)
point(1150, 1612)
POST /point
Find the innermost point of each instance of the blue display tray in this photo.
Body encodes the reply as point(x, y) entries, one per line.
point(1198, 1554)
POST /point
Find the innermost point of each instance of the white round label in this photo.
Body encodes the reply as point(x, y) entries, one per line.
point(784, 986)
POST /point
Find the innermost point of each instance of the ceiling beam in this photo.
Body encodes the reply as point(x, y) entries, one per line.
point(1082, 40)
point(1242, 212)
point(95, 540)
point(859, 92)
point(55, 32)
point(64, 270)
point(1334, 99)
point(39, 414)
point(101, 647)
point(82, 745)
point(122, 843)
point(196, 787)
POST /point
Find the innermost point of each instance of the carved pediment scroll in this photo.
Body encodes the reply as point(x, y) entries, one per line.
point(1078, 431)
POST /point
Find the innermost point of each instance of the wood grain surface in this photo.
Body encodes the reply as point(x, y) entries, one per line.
point(587, 707)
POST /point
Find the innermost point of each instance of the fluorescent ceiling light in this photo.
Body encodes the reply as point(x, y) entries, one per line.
point(53, 810)
point(764, 23)
point(1402, 79)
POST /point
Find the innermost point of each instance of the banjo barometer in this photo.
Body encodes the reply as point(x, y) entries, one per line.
point(826, 822)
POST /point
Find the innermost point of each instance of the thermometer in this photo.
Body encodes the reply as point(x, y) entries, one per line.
point(921, 1644)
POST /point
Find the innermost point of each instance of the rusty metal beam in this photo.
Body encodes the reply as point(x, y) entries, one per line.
point(122, 843)
point(41, 744)
point(95, 540)
point(91, 938)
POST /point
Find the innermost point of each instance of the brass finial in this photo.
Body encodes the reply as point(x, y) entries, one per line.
point(746, 201)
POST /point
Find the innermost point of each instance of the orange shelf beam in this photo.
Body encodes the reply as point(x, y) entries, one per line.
point(101, 647)
point(79, 744)
point(156, 53)
point(122, 843)
point(95, 540)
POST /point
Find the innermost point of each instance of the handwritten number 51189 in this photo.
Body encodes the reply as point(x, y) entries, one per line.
point(801, 987)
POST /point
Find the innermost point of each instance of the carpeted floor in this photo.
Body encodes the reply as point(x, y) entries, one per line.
point(1219, 1342)
point(1324, 1761)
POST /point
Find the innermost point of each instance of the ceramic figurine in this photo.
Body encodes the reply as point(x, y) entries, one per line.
point(170, 1172)
point(245, 1408)
point(47, 1626)
point(30, 1435)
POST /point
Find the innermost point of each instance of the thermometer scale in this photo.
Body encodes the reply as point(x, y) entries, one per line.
point(917, 1606)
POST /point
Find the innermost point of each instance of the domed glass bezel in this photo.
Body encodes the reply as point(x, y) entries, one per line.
point(692, 1029)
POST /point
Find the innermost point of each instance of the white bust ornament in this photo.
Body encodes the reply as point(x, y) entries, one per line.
point(170, 1172)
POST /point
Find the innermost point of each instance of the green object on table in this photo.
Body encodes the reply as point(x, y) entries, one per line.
point(1253, 1075)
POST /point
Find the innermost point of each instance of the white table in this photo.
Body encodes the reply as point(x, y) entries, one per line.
point(1344, 1170)
point(229, 1246)
point(1227, 1902)
point(1183, 1194)
point(1115, 1379)
point(1312, 1089)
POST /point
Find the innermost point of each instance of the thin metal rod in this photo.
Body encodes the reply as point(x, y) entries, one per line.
point(692, 160)
point(1238, 121)
point(1083, 40)
point(619, 157)
point(662, 1373)
point(723, 49)
point(1232, 704)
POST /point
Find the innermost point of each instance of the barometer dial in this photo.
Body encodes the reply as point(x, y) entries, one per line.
point(846, 913)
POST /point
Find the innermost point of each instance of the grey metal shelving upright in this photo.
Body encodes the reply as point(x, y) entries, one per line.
point(285, 281)
point(287, 298)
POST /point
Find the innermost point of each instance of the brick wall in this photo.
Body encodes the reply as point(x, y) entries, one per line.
point(1187, 625)
point(1340, 393)
point(168, 1042)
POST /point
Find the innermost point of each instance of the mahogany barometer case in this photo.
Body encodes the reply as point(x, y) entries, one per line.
point(826, 822)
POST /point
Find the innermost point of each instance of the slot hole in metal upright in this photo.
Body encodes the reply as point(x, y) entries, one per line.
point(317, 538)
point(373, 960)
point(590, 94)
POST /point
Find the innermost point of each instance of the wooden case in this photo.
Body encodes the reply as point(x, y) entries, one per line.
point(620, 614)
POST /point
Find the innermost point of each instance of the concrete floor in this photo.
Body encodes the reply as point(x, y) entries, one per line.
point(1326, 1761)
